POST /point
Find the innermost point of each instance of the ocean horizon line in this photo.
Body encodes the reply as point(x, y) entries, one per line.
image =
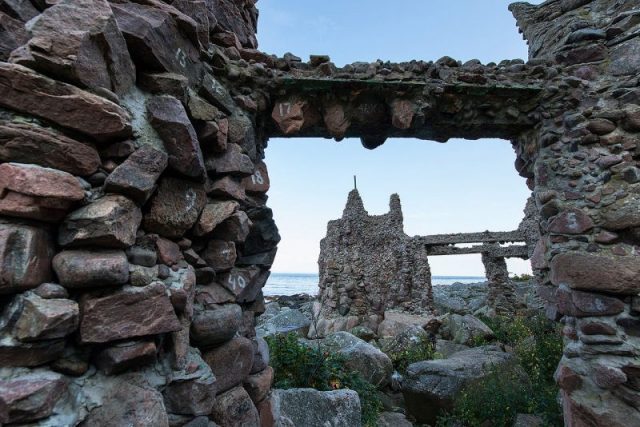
point(294, 273)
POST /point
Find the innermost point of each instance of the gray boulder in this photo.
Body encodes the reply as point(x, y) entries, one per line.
point(312, 408)
point(465, 329)
point(288, 320)
point(431, 386)
point(461, 298)
point(393, 419)
point(359, 355)
point(407, 339)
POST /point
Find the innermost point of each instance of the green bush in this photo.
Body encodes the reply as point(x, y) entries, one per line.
point(418, 351)
point(521, 277)
point(300, 366)
point(501, 395)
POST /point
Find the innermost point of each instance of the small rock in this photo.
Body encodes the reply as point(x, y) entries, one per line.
point(216, 326)
point(312, 408)
point(235, 408)
point(88, 269)
point(30, 397)
point(231, 362)
point(43, 319)
point(213, 214)
point(126, 355)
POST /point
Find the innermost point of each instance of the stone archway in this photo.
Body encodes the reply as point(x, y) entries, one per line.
point(166, 120)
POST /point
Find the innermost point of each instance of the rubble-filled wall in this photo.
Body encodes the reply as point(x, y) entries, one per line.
point(133, 227)
point(367, 265)
point(134, 236)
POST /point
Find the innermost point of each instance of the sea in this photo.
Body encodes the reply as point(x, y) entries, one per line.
point(307, 283)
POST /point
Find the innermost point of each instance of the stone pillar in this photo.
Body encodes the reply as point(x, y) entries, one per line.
point(582, 163)
point(501, 296)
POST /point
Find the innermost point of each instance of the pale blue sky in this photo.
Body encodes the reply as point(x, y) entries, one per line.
point(460, 186)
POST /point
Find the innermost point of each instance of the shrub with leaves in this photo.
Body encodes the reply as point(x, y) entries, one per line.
point(421, 349)
point(300, 366)
point(501, 395)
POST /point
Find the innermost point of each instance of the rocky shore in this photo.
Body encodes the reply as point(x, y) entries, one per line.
point(464, 349)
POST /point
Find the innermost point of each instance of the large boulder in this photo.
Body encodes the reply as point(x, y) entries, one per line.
point(136, 177)
point(31, 143)
point(235, 408)
point(170, 120)
point(231, 362)
point(34, 192)
point(312, 408)
point(175, 207)
point(129, 403)
point(360, 356)
point(26, 91)
point(216, 325)
point(465, 330)
point(43, 319)
point(430, 387)
point(284, 322)
point(30, 397)
point(127, 313)
point(89, 269)
point(79, 42)
point(25, 257)
point(111, 221)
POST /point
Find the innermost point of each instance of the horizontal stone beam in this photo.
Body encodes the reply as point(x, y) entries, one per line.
point(481, 237)
point(512, 251)
point(375, 110)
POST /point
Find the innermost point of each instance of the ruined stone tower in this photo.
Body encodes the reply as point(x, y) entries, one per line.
point(367, 265)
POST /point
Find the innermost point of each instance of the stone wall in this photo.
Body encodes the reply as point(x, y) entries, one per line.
point(134, 236)
point(134, 233)
point(367, 265)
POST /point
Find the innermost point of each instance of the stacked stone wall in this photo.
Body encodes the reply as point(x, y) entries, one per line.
point(134, 235)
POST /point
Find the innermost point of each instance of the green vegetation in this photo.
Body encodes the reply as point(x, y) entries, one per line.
point(521, 278)
point(297, 365)
point(418, 351)
point(501, 395)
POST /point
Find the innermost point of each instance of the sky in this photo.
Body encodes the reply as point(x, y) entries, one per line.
point(459, 186)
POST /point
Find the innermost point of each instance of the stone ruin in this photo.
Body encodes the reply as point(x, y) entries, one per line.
point(135, 239)
point(368, 265)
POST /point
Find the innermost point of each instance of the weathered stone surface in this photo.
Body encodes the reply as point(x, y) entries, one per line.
point(360, 356)
point(15, 353)
point(31, 143)
point(199, 109)
point(30, 191)
point(29, 92)
point(336, 121)
point(79, 42)
point(213, 214)
point(136, 177)
point(259, 181)
point(313, 408)
point(623, 214)
point(168, 252)
point(88, 269)
point(430, 387)
point(51, 291)
point(43, 319)
point(220, 255)
point(245, 283)
point(126, 355)
point(231, 362)
point(138, 255)
point(197, 10)
point(25, 257)
point(152, 33)
point(258, 385)
point(164, 84)
point(216, 93)
point(286, 321)
point(169, 118)
point(216, 325)
point(228, 187)
point(130, 404)
point(402, 112)
point(464, 329)
point(582, 304)
point(111, 222)
point(294, 115)
point(406, 340)
point(12, 35)
point(571, 222)
point(191, 391)
point(175, 207)
point(602, 273)
point(30, 397)
point(127, 313)
point(393, 419)
point(235, 408)
point(232, 161)
point(234, 229)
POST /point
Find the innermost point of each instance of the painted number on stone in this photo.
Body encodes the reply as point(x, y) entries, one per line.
point(257, 178)
point(284, 108)
point(181, 57)
point(237, 282)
